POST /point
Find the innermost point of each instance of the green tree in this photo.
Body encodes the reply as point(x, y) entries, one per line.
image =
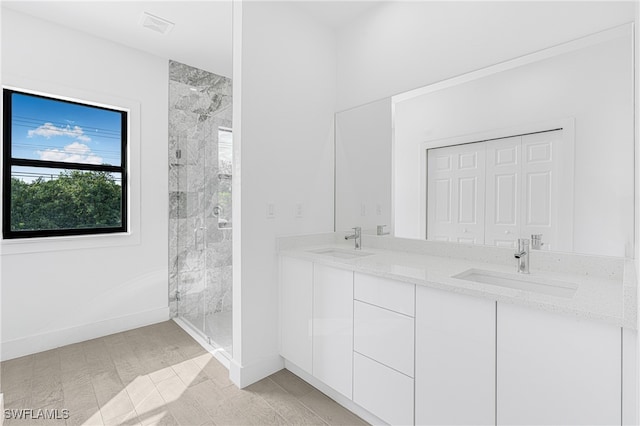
point(73, 200)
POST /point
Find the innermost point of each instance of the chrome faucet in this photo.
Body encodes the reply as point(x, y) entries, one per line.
point(522, 256)
point(356, 236)
point(536, 241)
point(380, 230)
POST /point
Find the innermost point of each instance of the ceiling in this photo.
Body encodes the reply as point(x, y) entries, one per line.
point(201, 37)
point(335, 14)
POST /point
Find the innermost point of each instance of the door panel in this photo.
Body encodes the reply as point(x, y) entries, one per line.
point(495, 192)
point(296, 295)
point(503, 192)
point(455, 186)
point(540, 169)
point(333, 327)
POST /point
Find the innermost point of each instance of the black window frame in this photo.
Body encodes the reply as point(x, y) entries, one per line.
point(8, 161)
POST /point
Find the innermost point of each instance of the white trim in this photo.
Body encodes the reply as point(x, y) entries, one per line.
point(590, 40)
point(565, 181)
point(57, 338)
point(219, 353)
point(392, 207)
point(236, 190)
point(247, 374)
point(335, 395)
point(629, 376)
point(130, 238)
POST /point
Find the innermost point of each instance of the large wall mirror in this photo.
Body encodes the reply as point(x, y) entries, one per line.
point(543, 144)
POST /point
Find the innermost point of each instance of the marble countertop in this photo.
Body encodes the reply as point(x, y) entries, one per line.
point(607, 297)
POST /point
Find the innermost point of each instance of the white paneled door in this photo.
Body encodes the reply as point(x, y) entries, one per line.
point(495, 192)
point(504, 191)
point(540, 186)
point(455, 198)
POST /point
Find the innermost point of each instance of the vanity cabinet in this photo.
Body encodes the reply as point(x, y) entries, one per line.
point(296, 308)
point(455, 358)
point(383, 344)
point(556, 369)
point(417, 355)
point(333, 327)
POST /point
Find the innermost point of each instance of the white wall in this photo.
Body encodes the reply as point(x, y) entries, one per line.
point(593, 85)
point(363, 167)
point(284, 145)
point(65, 290)
point(404, 45)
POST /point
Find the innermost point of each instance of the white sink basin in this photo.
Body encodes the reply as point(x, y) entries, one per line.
point(341, 253)
point(520, 282)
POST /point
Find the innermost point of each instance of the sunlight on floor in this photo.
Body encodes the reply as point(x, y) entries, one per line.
point(156, 375)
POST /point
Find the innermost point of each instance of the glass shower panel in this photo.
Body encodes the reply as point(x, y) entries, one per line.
point(219, 265)
point(200, 202)
point(192, 232)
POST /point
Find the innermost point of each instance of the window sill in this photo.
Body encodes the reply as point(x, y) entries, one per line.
point(74, 242)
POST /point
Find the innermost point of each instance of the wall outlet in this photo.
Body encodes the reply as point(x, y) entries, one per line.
point(271, 211)
point(299, 210)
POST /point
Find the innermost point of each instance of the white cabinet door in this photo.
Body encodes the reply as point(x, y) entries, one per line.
point(455, 359)
point(556, 370)
point(296, 292)
point(382, 391)
point(455, 193)
point(333, 327)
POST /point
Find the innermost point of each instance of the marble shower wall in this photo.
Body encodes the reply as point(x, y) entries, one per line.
point(199, 104)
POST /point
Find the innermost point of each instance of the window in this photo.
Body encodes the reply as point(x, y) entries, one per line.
point(225, 156)
point(64, 167)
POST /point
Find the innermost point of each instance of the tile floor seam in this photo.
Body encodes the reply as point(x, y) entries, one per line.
point(102, 376)
point(297, 399)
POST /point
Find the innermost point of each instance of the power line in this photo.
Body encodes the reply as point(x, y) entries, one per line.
point(39, 121)
point(98, 135)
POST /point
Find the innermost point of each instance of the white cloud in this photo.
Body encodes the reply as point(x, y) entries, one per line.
point(75, 152)
point(49, 129)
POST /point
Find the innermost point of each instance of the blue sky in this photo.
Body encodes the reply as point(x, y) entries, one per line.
point(46, 129)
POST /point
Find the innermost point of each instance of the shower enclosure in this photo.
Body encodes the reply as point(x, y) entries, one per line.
point(200, 246)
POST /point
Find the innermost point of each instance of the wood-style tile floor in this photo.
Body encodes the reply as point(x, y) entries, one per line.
point(156, 375)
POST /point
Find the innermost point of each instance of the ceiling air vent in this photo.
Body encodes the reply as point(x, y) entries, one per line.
point(155, 23)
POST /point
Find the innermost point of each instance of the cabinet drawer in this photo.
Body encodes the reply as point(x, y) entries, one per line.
point(394, 295)
point(382, 391)
point(384, 336)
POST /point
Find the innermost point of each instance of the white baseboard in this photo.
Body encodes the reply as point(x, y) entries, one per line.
point(335, 395)
point(241, 375)
point(54, 339)
point(245, 375)
point(218, 354)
